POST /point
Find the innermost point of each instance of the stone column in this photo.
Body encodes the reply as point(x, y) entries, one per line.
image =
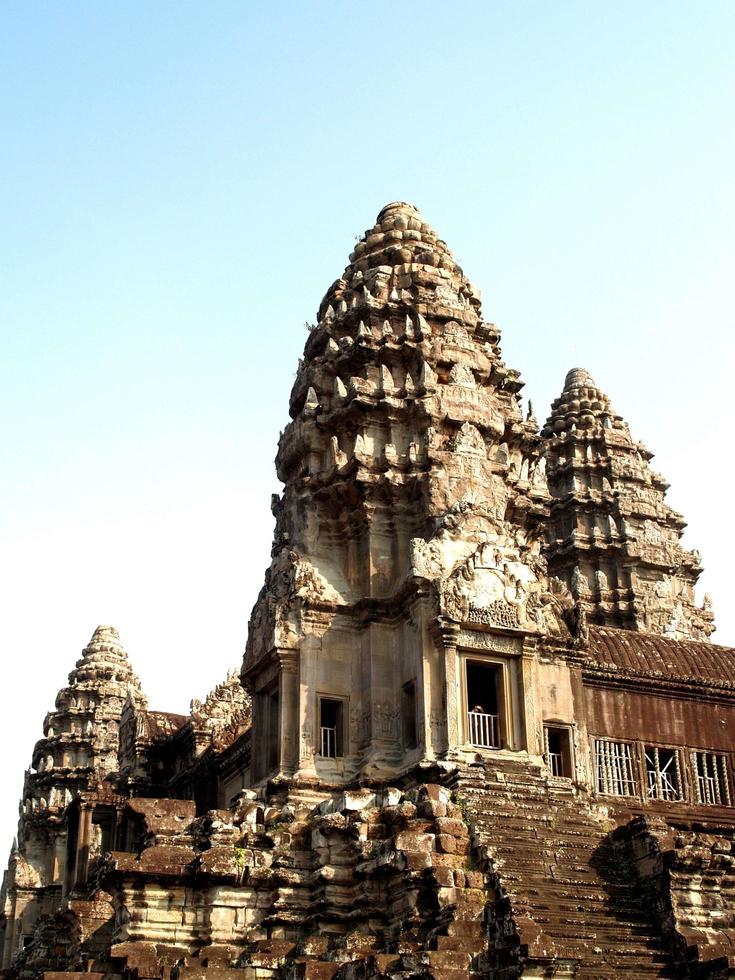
point(84, 842)
point(290, 721)
point(447, 632)
point(11, 927)
point(58, 871)
point(306, 732)
point(531, 733)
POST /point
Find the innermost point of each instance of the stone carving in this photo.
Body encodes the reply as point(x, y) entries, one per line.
point(469, 441)
point(580, 584)
point(226, 709)
point(461, 375)
point(386, 718)
point(634, 523)
point(477, 640)
point(413, 620)
point(307, 743)
point(496, 613)
point(447, 296)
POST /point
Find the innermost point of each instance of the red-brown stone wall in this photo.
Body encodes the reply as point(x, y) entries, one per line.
point(622, 714)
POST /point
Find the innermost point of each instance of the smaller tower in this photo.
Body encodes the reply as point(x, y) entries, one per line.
point(612, 537)
point(68, 796)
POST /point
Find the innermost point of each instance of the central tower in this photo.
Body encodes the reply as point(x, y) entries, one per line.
point(413, 496)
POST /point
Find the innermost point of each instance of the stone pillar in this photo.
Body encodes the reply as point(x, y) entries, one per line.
point(58, 870)
point(447, 632)
point(582, 750)
point(306, 732)
point(11, 916)
point(84, 842)
point(530, 716)
point(289, 723)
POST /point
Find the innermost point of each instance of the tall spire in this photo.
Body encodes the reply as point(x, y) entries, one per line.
point(407, 451)
point(400, 369)
point(76, 760)
point(612, 537)
point(81, 734)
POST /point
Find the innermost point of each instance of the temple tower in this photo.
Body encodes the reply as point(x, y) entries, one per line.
point(612, 537)
point(412, 502)
point(67, 812)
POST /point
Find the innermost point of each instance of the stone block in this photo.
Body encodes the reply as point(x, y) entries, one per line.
point(430, 809)
point(444, 877)
point(449, 960)
point(315, 946)
point(408, 840)
point(159, 916)
point(446, 843)
point(167, 859)
point(418, 860)
point(446, 825)
point(356, 799)
point(252, 813)
point(387, 962)
point(314, 970)
point(51, 975)
point(442, 860)
point(223, 860)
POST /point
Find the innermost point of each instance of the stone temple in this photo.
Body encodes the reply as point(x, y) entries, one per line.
point(479, 730)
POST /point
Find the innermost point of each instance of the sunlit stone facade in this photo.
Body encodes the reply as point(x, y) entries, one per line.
point(479, 728)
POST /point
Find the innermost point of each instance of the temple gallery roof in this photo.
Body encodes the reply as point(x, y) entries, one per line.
point(647, 654)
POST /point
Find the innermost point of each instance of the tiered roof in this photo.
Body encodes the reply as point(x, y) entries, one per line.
point(612, 536)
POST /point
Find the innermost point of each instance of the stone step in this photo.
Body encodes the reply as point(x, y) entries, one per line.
point(554, 862)
point(468, 944)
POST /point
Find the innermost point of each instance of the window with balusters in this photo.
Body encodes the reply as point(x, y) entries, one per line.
point(711, 778)
point(484, 700)
point(615, 768)
point(558, 751)
point(331, 735)
point(661, 773)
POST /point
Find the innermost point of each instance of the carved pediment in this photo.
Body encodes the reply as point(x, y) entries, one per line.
point(493, 587)
point(492, 574)
point(292, 584)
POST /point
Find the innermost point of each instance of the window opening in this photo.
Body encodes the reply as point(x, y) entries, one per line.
point(663, 773)
point(615, 767)
point(558, 752)
point(330, 728)
point(711, 783)
point(483, 701)
point(408, 715)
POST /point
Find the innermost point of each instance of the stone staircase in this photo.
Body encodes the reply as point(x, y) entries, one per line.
point(564, 905)
point(685, 866)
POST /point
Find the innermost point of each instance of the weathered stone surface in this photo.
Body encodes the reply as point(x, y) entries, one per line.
point(612, 537)
point(483, 733)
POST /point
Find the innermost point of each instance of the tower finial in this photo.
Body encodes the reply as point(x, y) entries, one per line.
point(579, 378)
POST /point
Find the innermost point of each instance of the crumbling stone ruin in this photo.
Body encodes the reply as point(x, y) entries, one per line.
point(479, 730)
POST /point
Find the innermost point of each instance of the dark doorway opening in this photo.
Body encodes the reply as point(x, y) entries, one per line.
point(330, 728)
point(484, 698)
point(558, 751)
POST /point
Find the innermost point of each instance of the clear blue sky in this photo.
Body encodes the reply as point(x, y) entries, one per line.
point(180, 182)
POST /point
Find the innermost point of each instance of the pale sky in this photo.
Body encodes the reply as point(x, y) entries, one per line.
point(180, 183)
